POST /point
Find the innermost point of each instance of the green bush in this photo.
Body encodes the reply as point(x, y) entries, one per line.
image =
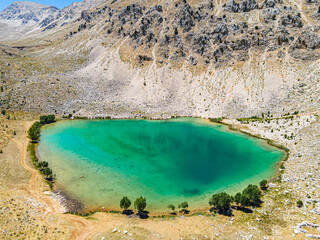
point(46, 119)
point(237, 198)
point(125, 203)
point(184, 205)
point(221, 201)
point(34, 131)
point(299, 203)
point(43, 164)
point(263, 184)
point(140, 203)
point(172, 207)
point(47, 171)
point(253, 193)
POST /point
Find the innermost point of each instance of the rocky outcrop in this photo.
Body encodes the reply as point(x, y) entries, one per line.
point(243, 6)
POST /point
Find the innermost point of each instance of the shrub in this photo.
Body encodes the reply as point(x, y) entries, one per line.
point(221, 201)
point(263, 184)
point(237, 198)
point(125, 203)
point(43, 164)
point(172, 207)
point(46, 119)
point(184, 205)
point(47, 171)
point(140, 203)
point(254, 194)
point(245, 200)
point(34, 131)
point(299, 203)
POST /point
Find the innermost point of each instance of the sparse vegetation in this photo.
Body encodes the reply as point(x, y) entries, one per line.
point(263, 184)
point(221, 201)
point(34, 131)
point(125, 203)
point(172, 207)
point(47, 119)
point(184, 205)
point(140, 204)
point(34, 135)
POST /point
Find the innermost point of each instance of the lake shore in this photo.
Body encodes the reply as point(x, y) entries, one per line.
point(279, 215)
point(157, 205)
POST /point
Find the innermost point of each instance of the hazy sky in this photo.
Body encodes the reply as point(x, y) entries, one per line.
point(56, 3)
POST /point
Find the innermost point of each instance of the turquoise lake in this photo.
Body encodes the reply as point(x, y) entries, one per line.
point(167, 161)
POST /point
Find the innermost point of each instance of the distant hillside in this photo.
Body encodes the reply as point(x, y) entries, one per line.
point(26, 17)
point(27, 13)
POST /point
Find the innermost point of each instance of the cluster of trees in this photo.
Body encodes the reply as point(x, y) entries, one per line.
point(46, 171)
point(47, 119)
point(250, 196)
point(140, 204)
point(34, 130)
point(34, 135)
point(184, 205)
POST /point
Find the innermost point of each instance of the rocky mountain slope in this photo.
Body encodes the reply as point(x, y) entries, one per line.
point(161, 58)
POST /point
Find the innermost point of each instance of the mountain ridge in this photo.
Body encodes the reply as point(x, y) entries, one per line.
point(181, 58)
point(25, 16)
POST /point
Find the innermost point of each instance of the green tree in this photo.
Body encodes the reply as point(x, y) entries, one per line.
point(254, 194)
point(221, 201)
point(46, 119)
point(34, 131)
point(299, 203)
point(172, 207)
point(3, 112)
point(43, 164)
point(125, 203)
point(237, 198)
point(47, 171)
point(245, 200)
point(140, 203)
point(263, 184)
point(184, 205)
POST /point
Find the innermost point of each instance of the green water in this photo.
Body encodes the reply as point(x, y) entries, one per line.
point(99, 162)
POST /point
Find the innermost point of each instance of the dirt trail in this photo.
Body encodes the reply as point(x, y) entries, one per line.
point(34, 190)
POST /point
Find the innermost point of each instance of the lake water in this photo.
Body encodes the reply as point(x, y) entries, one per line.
point(167, 161)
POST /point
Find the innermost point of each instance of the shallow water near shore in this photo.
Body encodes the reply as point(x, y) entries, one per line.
point(167, 161)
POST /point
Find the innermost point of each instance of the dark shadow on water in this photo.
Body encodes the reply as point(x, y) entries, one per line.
point(191, 192)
